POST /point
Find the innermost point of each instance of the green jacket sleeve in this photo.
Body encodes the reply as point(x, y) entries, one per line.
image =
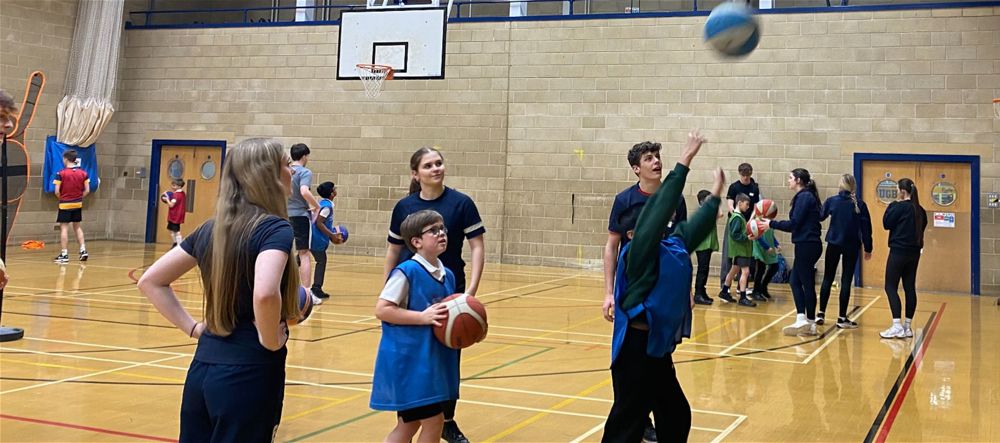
point(642, 261)
point(700, 225)
point(736, 229)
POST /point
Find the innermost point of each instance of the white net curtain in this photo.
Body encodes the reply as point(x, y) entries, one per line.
point(93, 69)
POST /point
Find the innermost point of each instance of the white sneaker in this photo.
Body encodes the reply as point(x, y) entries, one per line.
point(809, 329)
point(907, 332)
point(797, 328)
point(316, 300)
point(894, 331)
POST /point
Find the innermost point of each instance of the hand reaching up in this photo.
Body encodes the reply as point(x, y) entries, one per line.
point(691, 148)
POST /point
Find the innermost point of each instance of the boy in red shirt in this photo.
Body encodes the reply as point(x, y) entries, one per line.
point(72, 185)
point(177, 201)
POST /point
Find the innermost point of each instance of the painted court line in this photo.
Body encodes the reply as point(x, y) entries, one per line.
point(79, 377)
point(729, 429)
point(86, 428)
point(836, 333)
point(747, 338)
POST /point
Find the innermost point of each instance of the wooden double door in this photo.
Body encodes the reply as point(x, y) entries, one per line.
point(945, 192)
point(199, 167)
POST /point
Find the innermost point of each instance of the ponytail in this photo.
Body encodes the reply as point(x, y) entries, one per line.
point(919, 215)
point(807, 183)
point(849, 184)
point(414, 185)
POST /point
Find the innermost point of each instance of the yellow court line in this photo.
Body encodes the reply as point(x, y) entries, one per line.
point(554, 332)
point(540, 415)
point(582, 393)
point(84, 368)
point(78, 377)
point(320, 408)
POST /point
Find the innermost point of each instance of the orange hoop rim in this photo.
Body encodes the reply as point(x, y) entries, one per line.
point(371, 67)
point(996, 100)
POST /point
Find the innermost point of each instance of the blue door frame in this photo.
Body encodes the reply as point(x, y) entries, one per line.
point(971, 160)
point(154, 176)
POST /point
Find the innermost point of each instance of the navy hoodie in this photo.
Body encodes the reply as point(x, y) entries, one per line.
point(848, 229)
point(903, 223)
point(803, 219)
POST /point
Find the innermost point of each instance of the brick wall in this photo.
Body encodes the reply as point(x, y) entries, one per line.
point(535, 118)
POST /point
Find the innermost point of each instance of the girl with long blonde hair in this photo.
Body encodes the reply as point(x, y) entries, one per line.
point(850, 229)
point(235, 384)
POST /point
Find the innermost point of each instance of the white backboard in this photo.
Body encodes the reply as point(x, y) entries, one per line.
point(411, 41)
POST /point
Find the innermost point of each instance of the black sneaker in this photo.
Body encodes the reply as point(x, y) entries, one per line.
point(844, 323)
point(61, 259)
point(726, 297)
point(745, 301)
point(702, 299)
point(83, 255)
point(649, 435)
point(767, 295)
point(319, 292)
point(451, 434)
point(820, 318)
point(758, 296)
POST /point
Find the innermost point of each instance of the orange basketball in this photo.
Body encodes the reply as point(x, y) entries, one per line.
point(466, 322)
point(765, 208)
point(305, 307)
point(755, 228)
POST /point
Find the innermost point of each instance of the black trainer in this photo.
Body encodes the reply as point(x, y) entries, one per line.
point(649, 435)
point(745, 301)
point(320, 293)
point(758, 296)
point(820, 318)
point(452, 434)
point(702, 299)
point(726, 297)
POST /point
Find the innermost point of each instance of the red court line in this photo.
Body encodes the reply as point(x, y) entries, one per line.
point(884, 433)
point(87, 428)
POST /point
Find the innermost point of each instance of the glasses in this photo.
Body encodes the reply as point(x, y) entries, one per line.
point(435, 230)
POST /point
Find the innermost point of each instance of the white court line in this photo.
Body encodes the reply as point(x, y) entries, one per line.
point(729, 429)
point(830, 339)
point(191, 304)
point(745, 339)
point(79, 377)
point(335, 371)
point(592, 431)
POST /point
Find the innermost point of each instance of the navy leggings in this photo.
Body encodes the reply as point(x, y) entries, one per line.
point(231, 403)
point(803, 279)
point(901, 266)
point(835, 254)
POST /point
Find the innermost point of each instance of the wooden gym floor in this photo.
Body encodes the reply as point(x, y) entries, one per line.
point(99, 364)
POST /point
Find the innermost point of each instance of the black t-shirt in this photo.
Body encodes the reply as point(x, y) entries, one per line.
point(752, 190)
point(242, 345)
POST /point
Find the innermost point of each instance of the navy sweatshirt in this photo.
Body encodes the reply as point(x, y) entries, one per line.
point(803, 219)
point(899, 221)
point(848, 229)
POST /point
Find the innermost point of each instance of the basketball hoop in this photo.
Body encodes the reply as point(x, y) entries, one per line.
point(996, 107)
point(372, 76)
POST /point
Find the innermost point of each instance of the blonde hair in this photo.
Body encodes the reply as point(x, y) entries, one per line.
point(250, 190)
point(849, 184)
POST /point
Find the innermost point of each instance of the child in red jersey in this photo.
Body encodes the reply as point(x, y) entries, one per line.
point(176, 200)
point(72, 185)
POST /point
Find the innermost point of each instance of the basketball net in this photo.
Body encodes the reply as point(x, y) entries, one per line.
point(373, 76)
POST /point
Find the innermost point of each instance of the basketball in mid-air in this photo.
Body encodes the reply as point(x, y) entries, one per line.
point(732, 29)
